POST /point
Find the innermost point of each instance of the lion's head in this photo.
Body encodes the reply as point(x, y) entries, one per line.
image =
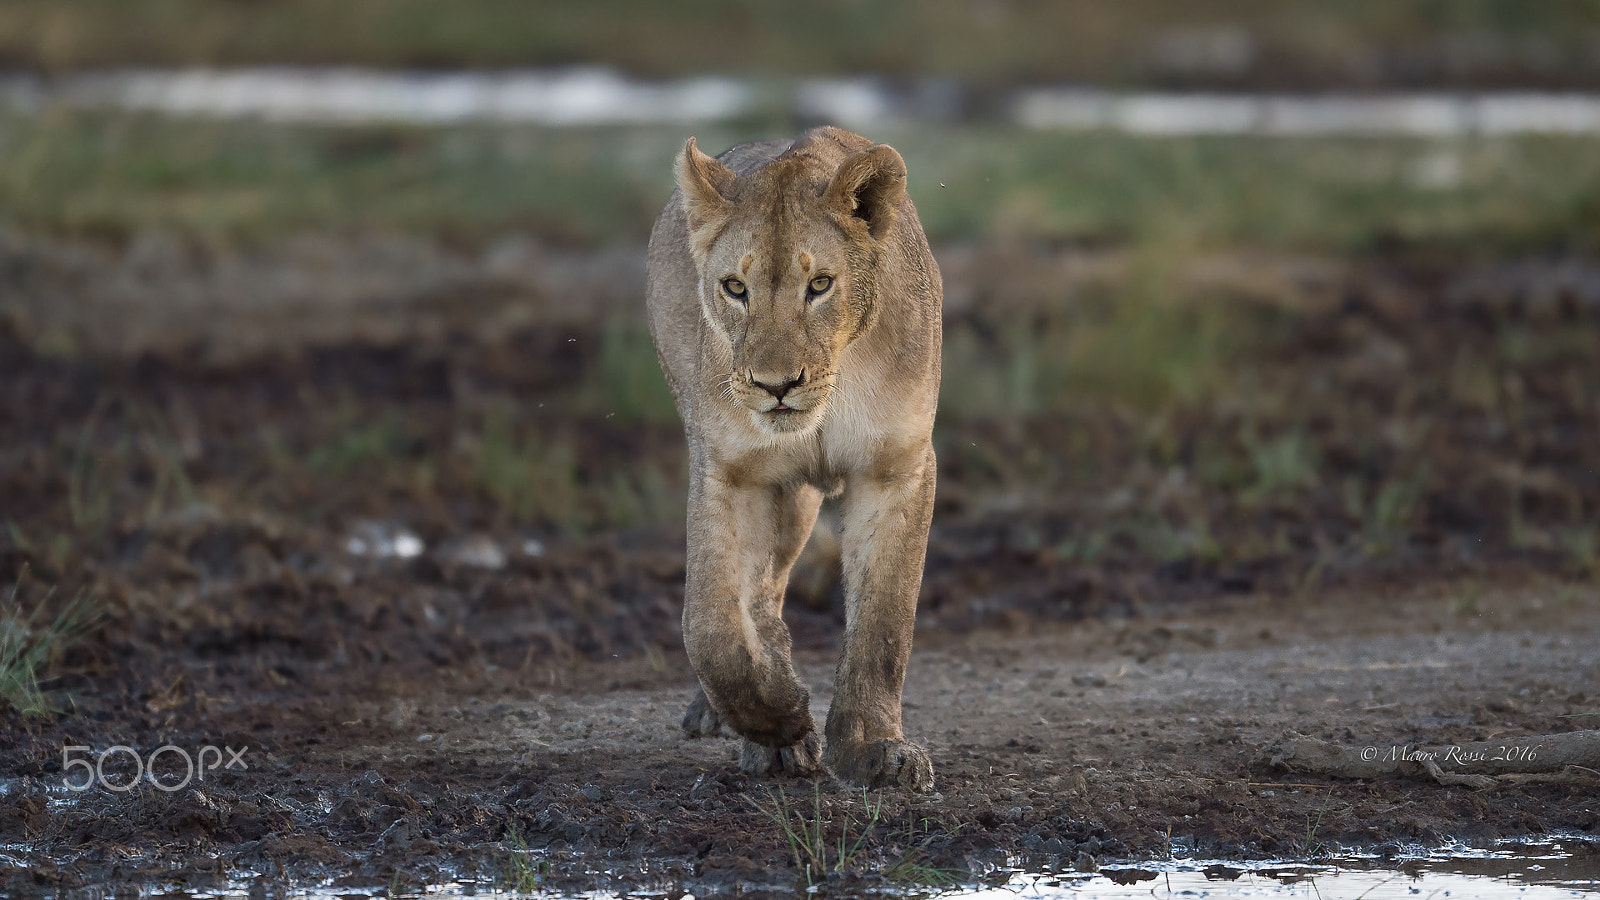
point(787, 259)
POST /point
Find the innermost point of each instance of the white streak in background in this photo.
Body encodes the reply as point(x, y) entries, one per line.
point(24, 93)
point(565, 98)
point(593, 96)
point(1415, 115)
point(851, 103)
point(1067, 109)
point(1520, 113)
point(1421, 115)
point(1164, 114)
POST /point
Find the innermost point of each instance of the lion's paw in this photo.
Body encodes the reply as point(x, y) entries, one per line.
point(802, 758)
point(878, 764)
point(701, 720)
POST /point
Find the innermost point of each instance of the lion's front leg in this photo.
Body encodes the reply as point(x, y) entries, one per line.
point(742, 542)
point(886, 541)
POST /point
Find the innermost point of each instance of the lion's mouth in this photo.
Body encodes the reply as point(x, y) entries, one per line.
point(782, 418)
point(787, 408)
point(782, 410)
point(786, 411)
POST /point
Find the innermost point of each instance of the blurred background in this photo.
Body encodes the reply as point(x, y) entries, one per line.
point(329, 315)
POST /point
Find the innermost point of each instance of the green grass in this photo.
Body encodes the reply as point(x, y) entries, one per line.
point(244, 181)
point(627, 386)
point(530, 478)
point(912, 868)
point(1581, 544)
point(1202, 192)
point(1163, 412)
point(818, 847)
point(912, 871)
point(1142, 338)
point(519, 871)
point(230, 181)
point(30, 646)
point(535, 476)
point(1280, 466)
point(355, 442)
point(1170, 421)
point(1298, 40)
point(1308, 846)
point(1386, 510)
point(126, 466)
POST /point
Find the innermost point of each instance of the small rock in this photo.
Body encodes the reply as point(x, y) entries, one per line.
point(383, 540)
point(703, 788)
point(395, 837)
point(1085, 862)
point(424, 738)
point(1089, 679)
point(477, 551)
point(347, 810)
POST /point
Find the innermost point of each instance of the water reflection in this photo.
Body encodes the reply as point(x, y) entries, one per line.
point(1564, 868)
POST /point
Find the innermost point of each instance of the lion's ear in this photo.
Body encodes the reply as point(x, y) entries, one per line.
point(706, 185)
point(870, 186)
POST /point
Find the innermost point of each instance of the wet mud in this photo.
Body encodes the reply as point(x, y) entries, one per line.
point(427, 685)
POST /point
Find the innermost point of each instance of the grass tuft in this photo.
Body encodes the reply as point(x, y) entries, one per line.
point(911, 869)
point(627, 386)
point(519, 871)
point(528, 476)
point(814, 854)
point(117, 458)
point(28, 649)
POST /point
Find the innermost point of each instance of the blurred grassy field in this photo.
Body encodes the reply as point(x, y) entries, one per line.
point(117, 174)
point(1141, 417)
point(1304, 43)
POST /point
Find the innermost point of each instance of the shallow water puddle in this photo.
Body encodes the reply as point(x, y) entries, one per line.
point(1518, 869)
point(1550, 868)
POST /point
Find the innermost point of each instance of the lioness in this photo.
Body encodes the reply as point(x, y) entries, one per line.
point(795, 309)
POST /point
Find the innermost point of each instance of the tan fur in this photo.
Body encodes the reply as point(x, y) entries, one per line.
point(789, 395)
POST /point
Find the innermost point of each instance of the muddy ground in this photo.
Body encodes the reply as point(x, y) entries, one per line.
point(1117, 738)
point(516, 681)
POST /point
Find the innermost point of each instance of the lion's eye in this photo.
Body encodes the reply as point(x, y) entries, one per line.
point(820, 284)
point(735, 288)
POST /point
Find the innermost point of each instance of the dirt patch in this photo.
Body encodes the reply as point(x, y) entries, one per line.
point(1114, 738)
point(431, 589)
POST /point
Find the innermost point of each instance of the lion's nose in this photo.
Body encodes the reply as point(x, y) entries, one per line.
point(777, 385)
